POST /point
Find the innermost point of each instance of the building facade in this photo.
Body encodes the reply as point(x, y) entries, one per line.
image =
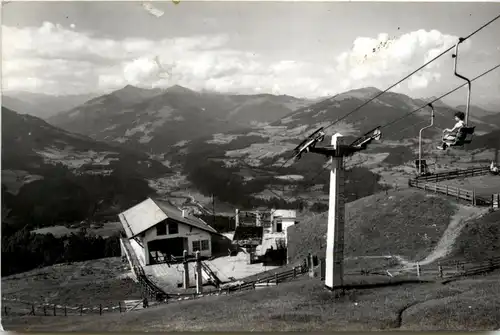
point(164, 231)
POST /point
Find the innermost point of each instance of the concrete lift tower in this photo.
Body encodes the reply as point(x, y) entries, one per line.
point(334, 276)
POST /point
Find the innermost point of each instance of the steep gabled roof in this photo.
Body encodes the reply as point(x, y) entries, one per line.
point(149, 213)
point(176, 214)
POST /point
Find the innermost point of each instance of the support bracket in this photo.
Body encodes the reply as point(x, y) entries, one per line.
point(309, 144)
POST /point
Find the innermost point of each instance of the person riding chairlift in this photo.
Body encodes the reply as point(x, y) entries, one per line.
point(494, 168)
point(449, 135)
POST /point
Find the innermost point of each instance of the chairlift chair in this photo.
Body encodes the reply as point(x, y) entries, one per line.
point(422, 167)
point(494, 168)
point(421, 164)
point(464, 136)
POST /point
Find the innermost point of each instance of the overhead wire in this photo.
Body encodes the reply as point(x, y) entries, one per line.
point(440, 97)
point(388, 124)
point(397, 83)
point(414, 111)
point(390, 87)
point(411, 74)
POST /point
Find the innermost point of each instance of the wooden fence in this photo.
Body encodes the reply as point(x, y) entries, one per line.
point(444, 271)
point(458, 173)
point(431, 183)
point(452, 191)
point(448, 270)
point(149, 289)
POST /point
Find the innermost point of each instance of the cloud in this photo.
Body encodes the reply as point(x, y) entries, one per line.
point(384, 60)
point(63, 60)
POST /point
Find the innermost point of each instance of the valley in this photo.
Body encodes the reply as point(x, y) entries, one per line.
point(112, 152)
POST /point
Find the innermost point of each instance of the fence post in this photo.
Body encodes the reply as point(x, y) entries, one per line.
point(65, 311)
point(5, 310)
point(120, 306)
point(44, 310)
point(81, 309)
point(54, 309)
point(473, 197)
point(294, 272)
point(418, 270)
point(276, 278)
point(100, 309)
point(446, 189)
point(33, 309)
point(440, 269)
point(458, 266)
point(458, 193)
point(311, 266)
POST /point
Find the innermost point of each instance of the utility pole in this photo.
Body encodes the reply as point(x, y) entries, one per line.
point(334, 275)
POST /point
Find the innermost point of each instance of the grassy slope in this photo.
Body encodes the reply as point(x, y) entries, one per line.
point(87, 283)
point(479, 240)
point(393, 224)
point(304, 305)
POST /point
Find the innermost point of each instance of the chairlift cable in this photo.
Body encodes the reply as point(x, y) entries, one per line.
point(406, 77)
point(440, 97)
point(411, 74)
point(395, 84)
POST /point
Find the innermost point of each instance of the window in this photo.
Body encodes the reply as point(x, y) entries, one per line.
point(196, 246)
point(161, 229)
point(205, 245)
point(173, 228)
point(279, 227)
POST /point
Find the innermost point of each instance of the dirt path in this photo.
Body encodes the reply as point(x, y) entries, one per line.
point(445, 244)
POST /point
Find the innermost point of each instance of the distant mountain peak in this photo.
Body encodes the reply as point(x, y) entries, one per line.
point(179, 89)
point(437, 102)
point(359, 93)
point(132, 88)
point(370, 89)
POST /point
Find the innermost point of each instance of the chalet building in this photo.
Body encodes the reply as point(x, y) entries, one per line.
point(272, 221)
point(282, 219)
point(159, 231)
point(263, 231)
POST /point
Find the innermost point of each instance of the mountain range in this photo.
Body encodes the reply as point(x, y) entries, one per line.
point(151, 119)
point(115, 147)
point(47, 170)
point(43, 105)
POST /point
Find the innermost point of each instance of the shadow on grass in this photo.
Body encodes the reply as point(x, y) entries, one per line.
point(365, 285)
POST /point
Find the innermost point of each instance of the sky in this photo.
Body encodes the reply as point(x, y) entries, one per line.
point(302, 49)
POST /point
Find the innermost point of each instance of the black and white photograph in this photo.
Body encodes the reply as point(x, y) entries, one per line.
point(250, 166)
